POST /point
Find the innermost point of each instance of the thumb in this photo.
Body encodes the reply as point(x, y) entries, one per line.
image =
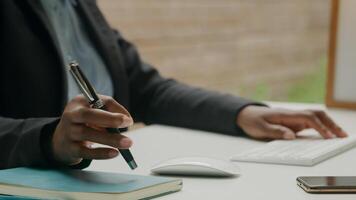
point(275, 131)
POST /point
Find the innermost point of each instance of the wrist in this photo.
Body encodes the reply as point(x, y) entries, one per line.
point(244, 113)
point(47, 144)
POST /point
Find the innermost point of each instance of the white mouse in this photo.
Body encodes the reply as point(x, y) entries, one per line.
point(196, 166)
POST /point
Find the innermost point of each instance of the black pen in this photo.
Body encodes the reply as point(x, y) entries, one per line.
point(95, 102)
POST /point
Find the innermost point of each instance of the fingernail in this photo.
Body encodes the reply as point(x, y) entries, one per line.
point(288, 136)
point(125, 143)
point(344, 133)
point(113, 153)
point(127, 121)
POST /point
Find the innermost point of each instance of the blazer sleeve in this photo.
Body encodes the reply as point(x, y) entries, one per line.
point(28, 142)
point(21, 141)
point(155, 99)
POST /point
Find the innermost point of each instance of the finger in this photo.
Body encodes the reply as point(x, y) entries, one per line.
point(100, 118)
point(328, 122)
point(83, 133)
point(94, 153)
point(312, 121)
point(275, 131)
point(95, 127)
point(295, 127)
point(113, 106)
point(80, 99)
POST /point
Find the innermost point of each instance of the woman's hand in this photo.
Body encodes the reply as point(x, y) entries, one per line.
point(80, 126)
point(269, 123)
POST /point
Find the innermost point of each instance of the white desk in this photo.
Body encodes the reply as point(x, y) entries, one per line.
point(258, 181)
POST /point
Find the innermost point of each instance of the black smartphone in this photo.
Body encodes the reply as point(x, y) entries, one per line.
point(327, 184)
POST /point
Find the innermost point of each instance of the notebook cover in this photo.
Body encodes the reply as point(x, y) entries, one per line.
point(78, 180)
point(9, 197)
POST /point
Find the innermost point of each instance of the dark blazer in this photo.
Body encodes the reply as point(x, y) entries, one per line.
point(33, 88)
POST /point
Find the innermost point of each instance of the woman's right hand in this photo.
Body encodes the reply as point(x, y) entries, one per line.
point(81, 126)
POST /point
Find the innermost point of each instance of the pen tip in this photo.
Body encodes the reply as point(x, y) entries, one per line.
point(132, 164)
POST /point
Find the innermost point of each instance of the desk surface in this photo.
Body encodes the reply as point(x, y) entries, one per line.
point(257, 181)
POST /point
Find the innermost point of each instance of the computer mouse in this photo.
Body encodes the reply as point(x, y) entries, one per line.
point(196, 166)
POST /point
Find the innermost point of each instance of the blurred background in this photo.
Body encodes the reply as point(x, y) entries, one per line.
point(265, 50)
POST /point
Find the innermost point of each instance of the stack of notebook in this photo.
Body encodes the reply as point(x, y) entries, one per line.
point(78, 184)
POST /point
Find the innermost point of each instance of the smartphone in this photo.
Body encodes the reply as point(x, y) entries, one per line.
point(327, 184)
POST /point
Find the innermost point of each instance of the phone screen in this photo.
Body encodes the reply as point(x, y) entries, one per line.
point(329, 181)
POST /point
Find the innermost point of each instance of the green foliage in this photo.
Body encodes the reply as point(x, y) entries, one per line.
point(261, 92)
point(311, 89)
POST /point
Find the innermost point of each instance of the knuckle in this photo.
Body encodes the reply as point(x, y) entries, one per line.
point(110, 100)
point(309, 115)
point(117, 120)
point(319, 112)
point(277, 130)
point(311, 110)
point(83, 112)
point(104, 97)
point(78, 98)
point(322, 112)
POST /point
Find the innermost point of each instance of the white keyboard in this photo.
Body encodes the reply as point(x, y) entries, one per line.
point(306, 152)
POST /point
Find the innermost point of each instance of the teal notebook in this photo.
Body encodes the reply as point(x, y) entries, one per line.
point(7, 197)
point(78, 184)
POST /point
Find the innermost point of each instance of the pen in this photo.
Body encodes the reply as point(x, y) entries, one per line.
point(95, 102)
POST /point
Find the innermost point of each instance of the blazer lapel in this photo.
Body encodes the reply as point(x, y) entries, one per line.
point(38, 10)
